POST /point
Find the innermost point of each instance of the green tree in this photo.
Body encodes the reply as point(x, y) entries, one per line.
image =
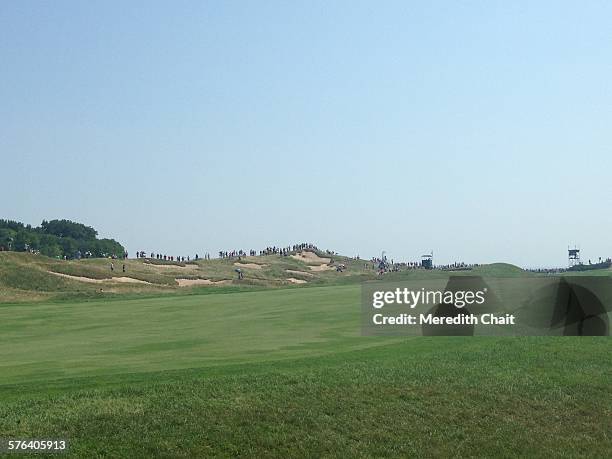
point(56, 238)
point(20, 241)
point(49, 246)
point(6, 238)
point(67, 228)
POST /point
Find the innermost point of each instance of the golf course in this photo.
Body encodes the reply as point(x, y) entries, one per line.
point(312, 229)
point(264, 367)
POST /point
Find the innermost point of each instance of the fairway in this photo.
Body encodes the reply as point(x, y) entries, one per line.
point(46, 341)
point(286, 373)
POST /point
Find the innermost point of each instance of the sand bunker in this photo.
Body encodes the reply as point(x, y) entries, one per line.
point(80, 278)
point(171, 266)
point(293, 280)
point(321, 268)
point(192, 282)
point(129, 280)
point(101, 281)
point(249, 265)
point(311, 257)
point(299, 273)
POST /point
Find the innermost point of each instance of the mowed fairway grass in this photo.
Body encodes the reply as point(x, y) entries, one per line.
point(284, 373)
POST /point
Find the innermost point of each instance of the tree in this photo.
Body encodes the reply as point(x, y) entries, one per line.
point(6, 238)
point(49, 246)
point(107, 247)
point(11, 224)
point(56, 238)
point(67, 228)
point(20, 241)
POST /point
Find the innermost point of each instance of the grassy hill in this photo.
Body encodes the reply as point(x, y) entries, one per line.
point(499, 270)
point(27, 277)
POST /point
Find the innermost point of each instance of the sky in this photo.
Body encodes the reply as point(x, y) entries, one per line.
point(480, 130)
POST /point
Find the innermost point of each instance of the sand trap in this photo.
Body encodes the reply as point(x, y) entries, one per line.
point(321, 268)
point(249, 265)
point(293, 280)
point(79, 278)
point(299, 273)
point(171, 266)
point(311, 257)
point(192, 282)
point(101, 281)
point(129, 280)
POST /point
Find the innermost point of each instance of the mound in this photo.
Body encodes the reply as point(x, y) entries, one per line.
point(499, 270)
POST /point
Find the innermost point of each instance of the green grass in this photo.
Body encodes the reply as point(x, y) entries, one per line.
point(57, 340)
point(285, 373)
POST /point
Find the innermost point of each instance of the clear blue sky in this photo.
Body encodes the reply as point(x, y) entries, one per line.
point(479, 129)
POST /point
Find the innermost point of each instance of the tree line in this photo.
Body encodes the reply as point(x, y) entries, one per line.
point(57, 238)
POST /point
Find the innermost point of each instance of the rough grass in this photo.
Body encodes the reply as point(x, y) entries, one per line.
point(485, 397)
